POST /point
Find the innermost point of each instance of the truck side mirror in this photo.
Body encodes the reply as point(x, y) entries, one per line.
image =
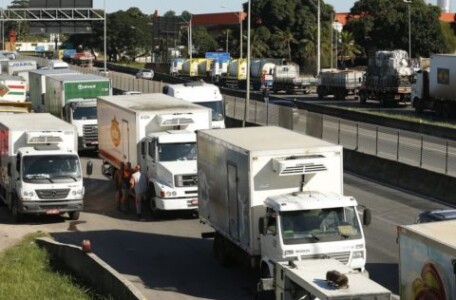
point(89, 169)
point(261, 225)
point(367, 217)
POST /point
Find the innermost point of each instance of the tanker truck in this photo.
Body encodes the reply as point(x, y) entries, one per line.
point(236, 74)
point(434, 88)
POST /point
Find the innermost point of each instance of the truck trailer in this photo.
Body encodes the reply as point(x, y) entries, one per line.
point(287, 78)
point(339, 83)
point(435, 87)
point(40, 167)
point(157, 132)
point(37, 85)
point(427, 260)
point(274, 195)
point(72, 97)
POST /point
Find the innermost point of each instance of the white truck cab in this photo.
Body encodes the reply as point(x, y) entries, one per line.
point(204, 94)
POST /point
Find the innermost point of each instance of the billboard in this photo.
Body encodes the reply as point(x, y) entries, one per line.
point(71, 26)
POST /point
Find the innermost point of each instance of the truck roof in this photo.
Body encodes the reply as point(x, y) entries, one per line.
point(308, 200)
point(268, 138)
point(441, 232)
point(311, 274)
point(54, 71)
point(35, 122)
point(150, 102)
point(77, 77)
point(11, 77)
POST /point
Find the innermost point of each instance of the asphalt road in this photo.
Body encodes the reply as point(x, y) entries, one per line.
point(168, 259)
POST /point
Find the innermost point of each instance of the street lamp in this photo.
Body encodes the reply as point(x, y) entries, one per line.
point(104, 36)
point(409, 3)
point(247, 96)
point(318, 37)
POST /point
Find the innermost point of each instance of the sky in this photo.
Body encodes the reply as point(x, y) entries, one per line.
point(200, 6)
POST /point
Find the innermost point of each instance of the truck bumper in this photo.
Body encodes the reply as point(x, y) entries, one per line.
point(50, 207)
point(176, 203)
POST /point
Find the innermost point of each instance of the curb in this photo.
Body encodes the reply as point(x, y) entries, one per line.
point(92, 269)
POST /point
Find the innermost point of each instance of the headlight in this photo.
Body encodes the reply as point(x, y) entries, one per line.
point(27, 193)
point(358, 254)
point(78, 192)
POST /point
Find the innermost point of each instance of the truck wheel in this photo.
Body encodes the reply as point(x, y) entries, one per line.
point(362, 97)
point(220, 251)
point(74, 215)
point(17, 216)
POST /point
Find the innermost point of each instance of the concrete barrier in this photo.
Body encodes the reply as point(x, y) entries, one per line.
point(92, 269)
point(420, 181)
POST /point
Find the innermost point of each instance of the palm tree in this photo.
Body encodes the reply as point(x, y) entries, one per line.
point(258, 45)
point(283, 38)
point(347, 49)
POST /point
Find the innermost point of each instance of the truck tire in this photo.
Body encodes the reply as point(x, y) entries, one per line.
point(74, 215)
point(17, 216)
point(362, 97)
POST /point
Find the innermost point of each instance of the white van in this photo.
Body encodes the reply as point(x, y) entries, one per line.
point(58, 64)
point(204, 94)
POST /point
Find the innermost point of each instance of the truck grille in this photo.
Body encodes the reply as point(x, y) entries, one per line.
point(343, 257)
point(52, 194)
point(186, 180)
point(90, 133)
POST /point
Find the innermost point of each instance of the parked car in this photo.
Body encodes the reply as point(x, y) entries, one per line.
point(145, 74)
point(436, 215)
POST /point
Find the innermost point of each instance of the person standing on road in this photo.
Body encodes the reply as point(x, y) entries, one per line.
point(126, 176)
point(139, 184)
point(118, 174)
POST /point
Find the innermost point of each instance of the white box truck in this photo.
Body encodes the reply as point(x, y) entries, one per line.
point(434, 88)
point(201, 93)
point(72, 97)
point(156, 131)
point(427, 260)
point(37, 85)
point(40, 167)
point(13, 94)
point(324, 279)
point(277, 196)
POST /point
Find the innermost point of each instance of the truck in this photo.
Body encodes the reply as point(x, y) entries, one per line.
point(37, 83)
point(324, 279)
point(12, 67)
point(175, 66)
point(13, 94)
point(199, 92)
point(40, 170)
point(274, 195)
point(387, 79)
point(262, 72)
point(339, 83)
point(72, 97)
point(157, 132)
point(287, 78)
point(236, 74)
point(434, 87)
point(427, 260)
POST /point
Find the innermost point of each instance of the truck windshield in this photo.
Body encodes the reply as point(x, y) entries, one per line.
point(319, 225)
point(51, 168)
point(177, 151)
point(85, 113)
point(217, 109)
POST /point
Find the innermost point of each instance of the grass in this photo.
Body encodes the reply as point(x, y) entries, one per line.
point(27, 272)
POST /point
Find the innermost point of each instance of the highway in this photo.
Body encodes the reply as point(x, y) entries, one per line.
point(168, 259)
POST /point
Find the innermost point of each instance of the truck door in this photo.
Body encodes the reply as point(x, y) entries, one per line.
point(233, 202)
point(125, 140)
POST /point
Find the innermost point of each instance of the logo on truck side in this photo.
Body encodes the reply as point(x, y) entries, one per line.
point(86, 86)
point(115, 132)
point(443, 76)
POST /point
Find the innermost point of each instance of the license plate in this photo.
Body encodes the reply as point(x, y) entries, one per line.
point(54, 211)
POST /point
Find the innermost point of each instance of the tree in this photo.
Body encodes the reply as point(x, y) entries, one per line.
point(347, 48)
point(386, 23)
point(203, 41)
point(284, 38)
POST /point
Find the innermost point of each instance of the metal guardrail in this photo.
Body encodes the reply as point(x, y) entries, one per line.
point(423, 151)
